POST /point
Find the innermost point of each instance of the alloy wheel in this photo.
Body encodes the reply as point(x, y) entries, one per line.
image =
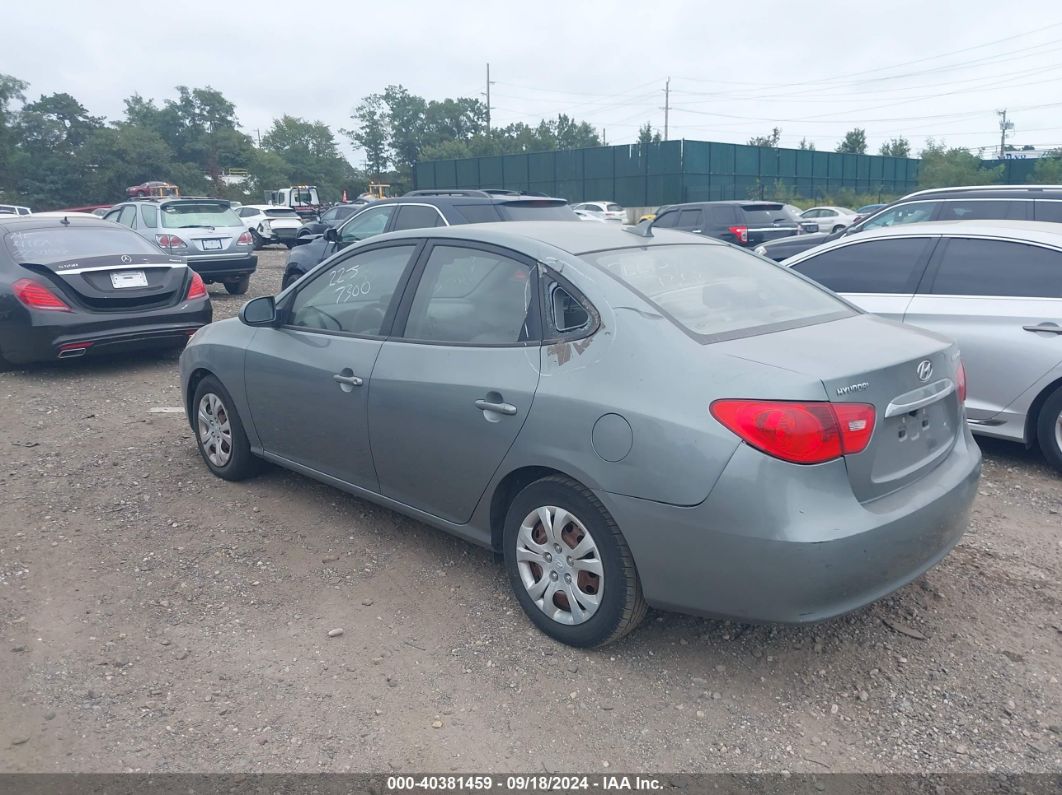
point(215, 430)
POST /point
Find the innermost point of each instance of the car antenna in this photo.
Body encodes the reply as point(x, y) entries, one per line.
point(65, 221)
point(642, 229)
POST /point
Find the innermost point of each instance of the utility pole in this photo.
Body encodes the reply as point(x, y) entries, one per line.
point(489, 84)
point(667, 105)
point(1004, 126)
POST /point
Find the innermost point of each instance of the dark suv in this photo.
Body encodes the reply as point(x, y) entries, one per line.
point(744, 223)
point(977, 202)
point(424, 209)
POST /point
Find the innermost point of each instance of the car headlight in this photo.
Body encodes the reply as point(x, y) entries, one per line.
point(761, 250)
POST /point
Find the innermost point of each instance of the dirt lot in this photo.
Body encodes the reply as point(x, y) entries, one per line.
point(155, 618)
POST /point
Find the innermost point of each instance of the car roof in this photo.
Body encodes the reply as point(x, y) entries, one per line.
point(1045, 232)
point(21, 223)
point(574, 238)
point(990, 192)
point(731, 202)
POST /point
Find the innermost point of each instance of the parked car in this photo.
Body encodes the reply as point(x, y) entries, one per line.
point(1017, 202)
point(74, 285)
point(332, 217)
point(206, 232)
point(743, 223)
point(993, 286)
point(829, 219)
point(607, 410)
point(606, 211)
point(587, 216)
point(14, 209)
point(153, 189)
point(268, 224)
point(423, 210)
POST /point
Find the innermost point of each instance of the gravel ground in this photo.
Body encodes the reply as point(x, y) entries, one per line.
point(155, 618)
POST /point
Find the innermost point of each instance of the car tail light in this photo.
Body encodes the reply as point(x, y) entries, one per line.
point(37, 296)
point(196, 289)
point(799, 432)
point(170, 242)
point(960, 383)
point(739, 232)
point(245, 239)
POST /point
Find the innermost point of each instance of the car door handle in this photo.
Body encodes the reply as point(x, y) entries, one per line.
point(351, 380)
point(501, 408)
point(1050, 328)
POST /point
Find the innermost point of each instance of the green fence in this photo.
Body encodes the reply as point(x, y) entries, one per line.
point(669, 172)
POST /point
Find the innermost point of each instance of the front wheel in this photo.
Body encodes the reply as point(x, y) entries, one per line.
point(219, 433)
point(1049, 429)
point(238, 287)
point(569, 565)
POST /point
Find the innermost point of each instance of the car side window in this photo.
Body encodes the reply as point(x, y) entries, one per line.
point(112, 216)
point(472, 296)
point(667, 220)
point(913, 213)
point(353, 295)
point(1049, 211)
point(369, 223)
point(415, 216)
point(723, 216)
point(329, 215)
point(971, 210)
point(998, 268)
point(128, 216)
point(689, 219)
point(876, 266)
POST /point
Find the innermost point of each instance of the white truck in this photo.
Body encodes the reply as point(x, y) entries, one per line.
point(303, 199)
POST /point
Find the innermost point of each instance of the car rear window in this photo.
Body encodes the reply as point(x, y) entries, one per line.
point(479, 213)
point(767, 214)
point(45, 246)
point(282, 213)
point(720, 292)
point(532, 210)
point(192, 214)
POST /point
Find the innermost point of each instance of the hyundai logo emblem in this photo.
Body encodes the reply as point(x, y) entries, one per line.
point(126, 258)
point(925, 370)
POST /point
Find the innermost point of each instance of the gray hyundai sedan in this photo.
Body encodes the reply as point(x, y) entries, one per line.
point(631, 419)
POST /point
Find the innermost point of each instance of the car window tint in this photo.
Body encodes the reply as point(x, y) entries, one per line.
point(353, 295)
point(567, 313)
point(150, 214)
point(667, 220)
point(128, 215)
point(1049, 211)
point(719, 290)
point(977, 210)
point(912, 213)
point(993, 267)
point(479, 213)
point(723, 216)
point(369, 223)
point(876, 266)
point(614, 208)
point(346, 212)
point(688, 219)
point(473, 296)
point(246, 212)
point(415, 216)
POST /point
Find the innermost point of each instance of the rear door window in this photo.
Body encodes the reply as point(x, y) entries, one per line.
point(875, 266)
point(998, 268)
point(766, 214)
point(128, 216)
point(689, 219)
point(911, 213)
point(984, 209)
point(723, 215)
point(416, 216)
point(1049, 211)
point(150, 213)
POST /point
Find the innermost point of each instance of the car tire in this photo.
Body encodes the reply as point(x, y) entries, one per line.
point(257, 239)
point(219, 433)
point(290, 279)
point(1049, 429)
point(238, 287)
point(535, 568)
point(5, 365)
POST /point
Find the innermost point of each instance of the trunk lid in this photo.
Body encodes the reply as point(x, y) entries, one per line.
point(909, 376)
point(117, 283)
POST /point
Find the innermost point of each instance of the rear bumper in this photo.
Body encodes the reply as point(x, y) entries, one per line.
point(765, 546)
point(218, 268)
point(53, 335)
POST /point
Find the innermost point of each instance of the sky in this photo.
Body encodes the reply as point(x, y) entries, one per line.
point(928, 69)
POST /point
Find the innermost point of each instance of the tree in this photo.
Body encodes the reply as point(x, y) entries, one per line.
point(11, 90)
point(896, 147)
point(646, 135)
point(942, 167)
point(309, 154)
point(371, 134)
point(1048, 169)
point(771, 140)
point(854, 142)
point(806, 144)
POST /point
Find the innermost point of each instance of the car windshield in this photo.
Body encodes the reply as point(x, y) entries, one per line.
point(302, 197)
point(62, 244)
point(768, 214)
point(544, 210)
point(282, 213)
point(197, 214)
point(719, 290)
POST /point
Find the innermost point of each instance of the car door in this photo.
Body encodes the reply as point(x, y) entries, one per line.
point(879, 276)
point(454, 384)
point(1002, 302)
point(306, 380)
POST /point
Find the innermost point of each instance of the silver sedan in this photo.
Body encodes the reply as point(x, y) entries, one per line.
point(631, 419)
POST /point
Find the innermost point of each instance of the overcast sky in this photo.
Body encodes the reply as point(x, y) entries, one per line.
point(814, 69)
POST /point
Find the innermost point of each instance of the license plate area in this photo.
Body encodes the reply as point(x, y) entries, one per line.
point(211, 245)
point(124, 279)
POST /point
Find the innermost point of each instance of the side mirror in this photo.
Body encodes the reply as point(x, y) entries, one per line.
point(259, 312)
point(331, 235)
point(302, 240)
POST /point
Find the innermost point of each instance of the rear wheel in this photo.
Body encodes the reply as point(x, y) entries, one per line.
point(257, 239)
point(569, 565)
point(238, 287)
point(1049, 429)
point(219, 433)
